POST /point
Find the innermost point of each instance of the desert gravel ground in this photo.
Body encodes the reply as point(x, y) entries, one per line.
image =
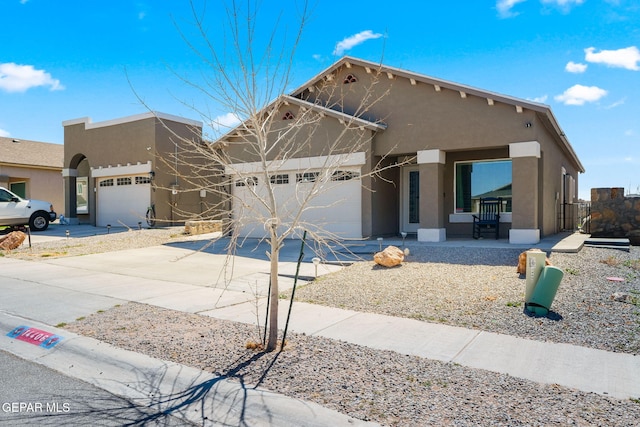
point(466, 287)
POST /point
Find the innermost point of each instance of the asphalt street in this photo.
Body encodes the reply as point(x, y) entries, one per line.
point(34, 395)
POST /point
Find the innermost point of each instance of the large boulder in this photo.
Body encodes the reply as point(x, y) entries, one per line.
point(12, 240)
point(389, 257)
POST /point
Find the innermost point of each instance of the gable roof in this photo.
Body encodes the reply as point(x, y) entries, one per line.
point(17, 152)
point(338, 115)
point(543, 111)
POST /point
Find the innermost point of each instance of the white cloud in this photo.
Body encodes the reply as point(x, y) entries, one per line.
point(573, 67)
point(563, 4)
point(504, 7)
point(579, 95)
point(20, 78)
point(623, 58)
point(616, 104)
point(540, 99)
point(4, 133)
point(225, 122)
point(354, 40)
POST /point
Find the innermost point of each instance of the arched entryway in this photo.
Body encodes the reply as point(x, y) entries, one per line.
point(79, 198)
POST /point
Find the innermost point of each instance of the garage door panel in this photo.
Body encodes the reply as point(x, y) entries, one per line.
point(336, 209)
point(122, 201)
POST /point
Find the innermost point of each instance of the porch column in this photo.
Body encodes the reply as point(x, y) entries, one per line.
point(70, 195)
point(431, 167)
point(525, 157)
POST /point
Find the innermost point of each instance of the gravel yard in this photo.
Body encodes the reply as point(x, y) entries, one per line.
point(480, 289)
point(458, 286)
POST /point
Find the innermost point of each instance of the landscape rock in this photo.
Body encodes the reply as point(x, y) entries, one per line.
point(621, 297)
point(522, 261)
point(389, 257)
point(12, 240)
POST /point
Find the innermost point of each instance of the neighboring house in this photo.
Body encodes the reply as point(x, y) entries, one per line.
point(115, 170)
point(467, 143)
point(32, 170)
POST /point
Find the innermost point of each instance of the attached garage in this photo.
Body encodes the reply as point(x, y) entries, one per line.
point(336, 208)
point(122, 198)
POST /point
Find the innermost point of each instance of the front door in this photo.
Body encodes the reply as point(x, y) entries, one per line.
point(410, 200)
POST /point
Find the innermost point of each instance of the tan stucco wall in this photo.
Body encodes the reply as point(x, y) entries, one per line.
point(41, 184)
point(466, 128)
point(144, 140)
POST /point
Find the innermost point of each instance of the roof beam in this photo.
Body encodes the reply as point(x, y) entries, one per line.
point(413, 82)
point(463, 95)
point(489, 101)
point(518, 108)
point(390, 76)
point(437, 88)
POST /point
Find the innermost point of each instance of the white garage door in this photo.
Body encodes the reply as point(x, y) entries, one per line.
point(336, 209)
point(122, 200)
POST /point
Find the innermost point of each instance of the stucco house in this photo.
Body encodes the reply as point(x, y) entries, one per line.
point(464, 143)
point(32, 169)
point(115, 170)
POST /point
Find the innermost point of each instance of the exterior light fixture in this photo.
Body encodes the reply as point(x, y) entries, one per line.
point(404, 236)
point(108, 228)
point(380, 243)
point(67, 233)
point(316, 261)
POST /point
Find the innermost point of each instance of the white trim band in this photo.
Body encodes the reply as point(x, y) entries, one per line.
point(129, 169)
point(432, 234)
point(88, 123)
point(69, 172)
point(524, 149)
point(524, 236)
point(431, 156)
point(300, 164)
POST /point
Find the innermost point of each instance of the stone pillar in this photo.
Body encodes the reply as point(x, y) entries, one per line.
point(70, 195)
point(431, 167)
point(525, 157)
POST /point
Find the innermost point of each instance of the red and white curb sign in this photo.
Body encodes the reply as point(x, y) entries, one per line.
point(35, 336)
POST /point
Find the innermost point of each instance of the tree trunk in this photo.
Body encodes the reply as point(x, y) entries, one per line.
point(272, 342)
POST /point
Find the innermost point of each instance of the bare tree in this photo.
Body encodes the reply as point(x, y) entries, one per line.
point(249, 74)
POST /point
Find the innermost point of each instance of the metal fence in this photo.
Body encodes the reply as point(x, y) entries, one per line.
point(575, 217)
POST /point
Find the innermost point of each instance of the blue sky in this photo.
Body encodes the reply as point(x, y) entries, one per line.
point(71, 59)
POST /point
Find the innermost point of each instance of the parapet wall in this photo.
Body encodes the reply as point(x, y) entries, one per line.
point(614, 215)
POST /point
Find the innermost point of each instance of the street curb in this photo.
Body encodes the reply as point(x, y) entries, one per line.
point(167, 387)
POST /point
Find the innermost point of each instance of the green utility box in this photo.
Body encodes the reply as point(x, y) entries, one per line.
point(535, 263)
point(545, 291)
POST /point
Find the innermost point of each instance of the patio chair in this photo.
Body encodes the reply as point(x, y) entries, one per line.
point(488, 218)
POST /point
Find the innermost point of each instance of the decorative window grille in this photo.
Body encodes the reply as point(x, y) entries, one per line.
point(350, 78)
point(288, 116)
point(250, 180)
point(344, 175)
point(307, 176)
point(143, 180)
point(279, 179)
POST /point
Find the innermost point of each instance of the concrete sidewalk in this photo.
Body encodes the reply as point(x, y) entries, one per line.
point(49, 292)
